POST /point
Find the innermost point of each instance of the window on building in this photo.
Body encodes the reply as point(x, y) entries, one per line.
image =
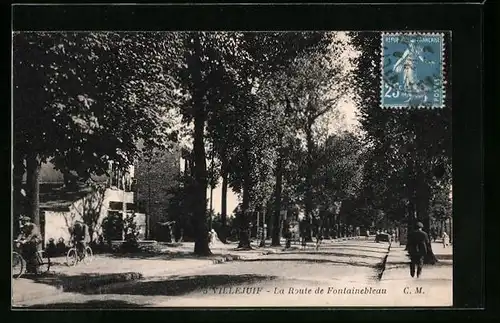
point(131, 207)
point(116, 206)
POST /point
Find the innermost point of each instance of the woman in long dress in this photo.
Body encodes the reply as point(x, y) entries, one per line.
point(446, 239)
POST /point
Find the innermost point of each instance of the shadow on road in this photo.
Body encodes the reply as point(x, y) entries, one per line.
point(336, 254)
point(444, 257)
point(163, 255)
point(186, 284)
point(375, 248)
point(92, 304)
point(302, 260)
point(84, 282)
point(402, 264)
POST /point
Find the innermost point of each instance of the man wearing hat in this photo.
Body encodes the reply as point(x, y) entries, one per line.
point(80, 236)
point(30, 239)
point(418, 241)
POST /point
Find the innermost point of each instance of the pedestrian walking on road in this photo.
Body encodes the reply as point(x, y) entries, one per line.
point(319, 237)
point(446, 239)
point(418, 245)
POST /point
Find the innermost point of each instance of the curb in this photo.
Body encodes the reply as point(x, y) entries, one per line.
point(220, 260)
point(87, 285)
point(232, 257)
point(396, 265)
point(95, 283)
point(381, 267)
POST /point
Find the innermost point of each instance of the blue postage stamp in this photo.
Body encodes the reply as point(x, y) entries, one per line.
point(412, 70)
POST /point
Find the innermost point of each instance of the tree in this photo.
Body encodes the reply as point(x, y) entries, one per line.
point(318, 84)
point(91, 208)
point(81, 99)
point(339, 163)
point(272, 54)
point(407, 148)
point(234, 73)
point(207, 57)
point(252, 165)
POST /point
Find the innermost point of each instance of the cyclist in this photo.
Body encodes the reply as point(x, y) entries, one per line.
point(80, 236)
point(30, 239)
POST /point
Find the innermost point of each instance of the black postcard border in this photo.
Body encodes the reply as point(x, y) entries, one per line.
point(464, 20)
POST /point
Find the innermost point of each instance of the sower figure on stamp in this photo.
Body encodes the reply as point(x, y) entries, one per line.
point(407, 65)
point(418, 243)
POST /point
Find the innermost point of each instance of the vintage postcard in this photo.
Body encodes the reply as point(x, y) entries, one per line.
point(231, 169)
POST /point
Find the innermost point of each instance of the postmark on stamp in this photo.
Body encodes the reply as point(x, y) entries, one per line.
point(412, 70)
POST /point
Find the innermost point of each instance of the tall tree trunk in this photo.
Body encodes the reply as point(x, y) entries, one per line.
point(200, 215)
point(201, 246)
point(211, 213)
point(33, 188)
point(276, 232)
point(223, 203)
point(187, 169)
point(17, 183)
point(309, 178)
point(423, 198)
point(412, 193)
point(244, 234)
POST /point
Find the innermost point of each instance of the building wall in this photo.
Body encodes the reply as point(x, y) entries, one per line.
point(57, 223)
point(56, 226)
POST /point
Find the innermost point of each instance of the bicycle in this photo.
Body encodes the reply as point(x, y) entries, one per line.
point(74, 256)
point(19, 263)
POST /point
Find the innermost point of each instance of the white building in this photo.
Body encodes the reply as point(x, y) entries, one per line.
point(61, 206)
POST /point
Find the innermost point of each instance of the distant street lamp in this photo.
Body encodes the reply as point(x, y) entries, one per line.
point(211, 212)
point(148, 217)
point(212, 180)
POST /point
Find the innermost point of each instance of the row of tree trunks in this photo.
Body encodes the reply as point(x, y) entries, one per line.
point(423, 203)
point(223, 215)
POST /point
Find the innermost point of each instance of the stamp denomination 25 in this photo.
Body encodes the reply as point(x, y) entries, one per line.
point(412, 70)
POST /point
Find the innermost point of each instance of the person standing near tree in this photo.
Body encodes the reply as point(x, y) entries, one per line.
point(418, 248)
point(30, 240)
